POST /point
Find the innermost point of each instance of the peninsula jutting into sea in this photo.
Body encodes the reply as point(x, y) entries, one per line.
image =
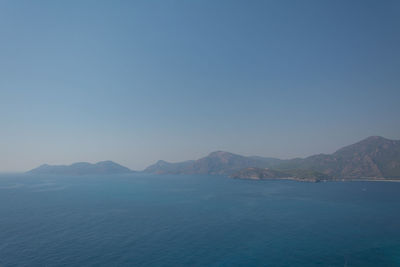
point(374, 158)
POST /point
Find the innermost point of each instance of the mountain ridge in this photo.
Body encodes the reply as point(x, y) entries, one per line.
point(217, 163)
point(374, 157)
point(82, 168)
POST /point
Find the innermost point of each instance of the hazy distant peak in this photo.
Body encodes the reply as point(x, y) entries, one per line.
point(221, 154)
point(369, 144)
point(375, 137)
point(107, 162)
point(44, 165)
point(80, 168)
point(78, 164)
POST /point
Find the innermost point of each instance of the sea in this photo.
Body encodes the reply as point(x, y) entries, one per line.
point(199, 220)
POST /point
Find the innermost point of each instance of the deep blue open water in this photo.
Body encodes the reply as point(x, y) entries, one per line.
point(145, 220)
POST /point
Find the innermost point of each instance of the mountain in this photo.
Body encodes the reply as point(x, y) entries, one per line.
point(218, 162)
point(372, 158)
point(82, 168)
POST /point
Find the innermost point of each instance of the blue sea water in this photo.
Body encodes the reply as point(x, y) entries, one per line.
point(146, 220)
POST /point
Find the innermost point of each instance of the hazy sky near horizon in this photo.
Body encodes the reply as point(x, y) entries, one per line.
point(138, 81)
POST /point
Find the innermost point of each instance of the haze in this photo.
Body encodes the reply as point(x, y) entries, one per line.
point(139, 81)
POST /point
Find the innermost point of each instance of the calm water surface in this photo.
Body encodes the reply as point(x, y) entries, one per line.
point(144, 220)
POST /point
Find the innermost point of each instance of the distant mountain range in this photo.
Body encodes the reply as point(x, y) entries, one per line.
point(82, 168)
point(372, 158)
point(219, 162)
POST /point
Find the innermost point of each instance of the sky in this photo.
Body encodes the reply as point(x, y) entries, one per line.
point(139, 81)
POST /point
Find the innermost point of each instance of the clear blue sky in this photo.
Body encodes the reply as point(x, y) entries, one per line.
point(138, 81)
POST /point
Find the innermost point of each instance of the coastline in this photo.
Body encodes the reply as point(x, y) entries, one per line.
point(311, 180)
